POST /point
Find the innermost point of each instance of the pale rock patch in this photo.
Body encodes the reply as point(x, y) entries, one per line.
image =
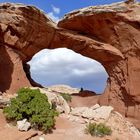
point(93, 113)
point(23, 125)
point(63, 89)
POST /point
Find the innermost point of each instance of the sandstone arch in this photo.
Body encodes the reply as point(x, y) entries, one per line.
point(108, 34)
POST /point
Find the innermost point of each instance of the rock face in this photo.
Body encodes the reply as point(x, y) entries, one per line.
point(108, 34)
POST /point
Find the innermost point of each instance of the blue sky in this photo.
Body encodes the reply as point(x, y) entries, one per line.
point(62, 66)
point(64, 5)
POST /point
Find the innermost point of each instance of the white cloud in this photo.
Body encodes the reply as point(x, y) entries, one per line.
point(63, 66)
point(56, 10)
point(54, 13)
point(53, 17)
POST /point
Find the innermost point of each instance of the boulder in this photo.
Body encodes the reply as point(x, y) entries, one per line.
point(102, 112)
point(77, 119)
point(98, 114)
point(78, 111)
point(23, 125)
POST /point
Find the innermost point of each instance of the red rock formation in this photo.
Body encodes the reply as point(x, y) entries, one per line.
point(25, 30)
point(117, 25)
point(108, 34)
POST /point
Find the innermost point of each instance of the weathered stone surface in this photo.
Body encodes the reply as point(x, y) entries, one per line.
point(108, 34)
point(118, 124)
point(23, 125)
point(100, 113)
point(95, 106)
point(62, 89)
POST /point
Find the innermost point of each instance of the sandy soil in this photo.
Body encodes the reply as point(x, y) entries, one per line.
point(67, 130)
point(8, 132)
point(78, 101)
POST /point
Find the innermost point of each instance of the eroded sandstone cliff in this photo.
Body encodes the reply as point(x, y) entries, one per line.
point(117, 25)
point(109, 34)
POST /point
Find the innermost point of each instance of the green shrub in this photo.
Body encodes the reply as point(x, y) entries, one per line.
point(34, 106)
point(99, 130)
point(66, 96)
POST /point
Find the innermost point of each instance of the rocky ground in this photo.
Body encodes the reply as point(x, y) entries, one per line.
point(70, 125)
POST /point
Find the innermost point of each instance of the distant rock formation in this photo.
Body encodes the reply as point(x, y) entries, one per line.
point(85, 93)
point(130, 1)
point(62, 89)
point(117, 25)
point(109, 34)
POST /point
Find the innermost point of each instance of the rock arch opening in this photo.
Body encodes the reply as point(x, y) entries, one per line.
point(65, 67)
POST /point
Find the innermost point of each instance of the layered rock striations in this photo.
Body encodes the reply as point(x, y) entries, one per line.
point(109, 34)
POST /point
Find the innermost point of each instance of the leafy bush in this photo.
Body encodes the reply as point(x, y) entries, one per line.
point(34, 106)
point(99, 130)
point(66, 96)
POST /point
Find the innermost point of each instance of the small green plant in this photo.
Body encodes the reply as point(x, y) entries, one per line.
point(66, 96)
point(34, 106)
point(99, 130)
